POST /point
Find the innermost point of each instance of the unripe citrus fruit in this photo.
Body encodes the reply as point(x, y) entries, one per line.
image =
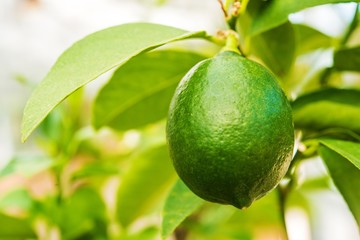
point(230, 130)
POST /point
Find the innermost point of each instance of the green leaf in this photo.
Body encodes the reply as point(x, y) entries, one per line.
point(349, 150)
point(144, 183)
point(180, 203)
point(276, 48)
point(276, 12)
point(345, 174)
point(140, 91)
point(12, 228)
point(81, 213)
point(328, 108)
point(245, 20)
point(89, 58)
point(309, 39)
point(347, 59)
point(217, 221)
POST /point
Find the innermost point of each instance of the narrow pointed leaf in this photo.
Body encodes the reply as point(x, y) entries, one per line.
point(91, 57)
point(140, 91)
point(180, 203)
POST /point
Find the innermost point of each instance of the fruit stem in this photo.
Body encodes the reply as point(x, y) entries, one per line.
point(215, 39)
point(232, 42)
point(244, 4)
point(282, 194)
point(232, 9)
point(223, 8)
point(234, 12)
point(228, 3)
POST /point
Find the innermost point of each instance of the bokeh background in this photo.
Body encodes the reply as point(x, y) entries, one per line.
point(33, 33)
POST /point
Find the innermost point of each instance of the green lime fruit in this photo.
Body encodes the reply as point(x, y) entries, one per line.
point(230, 130)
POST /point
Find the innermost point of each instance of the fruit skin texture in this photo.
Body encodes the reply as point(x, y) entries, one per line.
point(230, 130)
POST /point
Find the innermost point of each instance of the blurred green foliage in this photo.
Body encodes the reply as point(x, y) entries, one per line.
point(117, 182)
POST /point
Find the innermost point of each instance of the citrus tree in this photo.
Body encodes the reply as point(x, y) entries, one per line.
point(243, 122)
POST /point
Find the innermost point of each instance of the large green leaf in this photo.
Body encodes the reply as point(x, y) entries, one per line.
point(140, 91)
point(345, 174)
point(276, 12)
point(142, 185)
point(328, 108)
point(347, 59)
point(12, 228)
point(309, 39)
point(180, 203)
point(91, 57)
point(276, 47)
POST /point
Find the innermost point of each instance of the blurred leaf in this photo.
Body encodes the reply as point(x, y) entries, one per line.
point(306, 73)
point(60, 126)
point(347, 59)
point(95, 169)
point(140, 91)
point(309, 39)
point(276, 47)
point(82, 212)
point(161, 2)
point(217, 221)
point(12, 228)
point(328, 108)
point(276, 12)
point(144, 183)
point(91, 57)
point(180, 203)
point(245, 19)
point(53, 125)
point(344, 173)
point(27, 165)
point(18, 198)
point(149, 233)
point(264, 212)
point(316, 184)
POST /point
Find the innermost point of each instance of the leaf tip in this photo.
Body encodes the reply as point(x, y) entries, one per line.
point(24, 133)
